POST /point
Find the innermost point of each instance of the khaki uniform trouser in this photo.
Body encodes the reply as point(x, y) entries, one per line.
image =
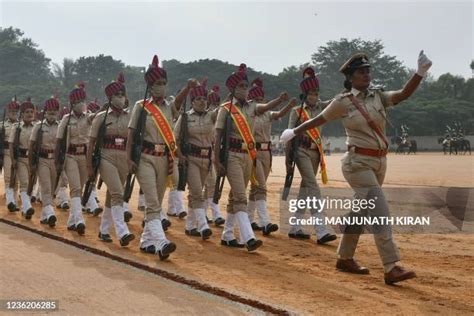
point(46, 178)
point(113, 170)
point(210, 183)
point(7, 169)
point(259, 191)
point(365, 175)
point(307, 162)
point(239, 170)
point(63, 183)
point(23, 174)
point(152, 176)
point(198, 170)
point(76, 171)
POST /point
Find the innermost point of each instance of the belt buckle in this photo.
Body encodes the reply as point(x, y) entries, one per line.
point(50, 155)
point(159, 148)
point(264, 146)
point(79, 149)
point(119, 141)
point(204, 152)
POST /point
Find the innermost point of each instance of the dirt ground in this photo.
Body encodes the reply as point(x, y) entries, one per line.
point(293, 275)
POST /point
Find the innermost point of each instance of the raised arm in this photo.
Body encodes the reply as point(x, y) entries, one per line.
point(262, 108)
point(183, 93)
point(279, 114)
point(423, 65)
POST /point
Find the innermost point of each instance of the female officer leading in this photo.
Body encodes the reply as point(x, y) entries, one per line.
point(363, 111)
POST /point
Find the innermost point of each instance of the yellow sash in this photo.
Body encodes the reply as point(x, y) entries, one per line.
point(246, 134)
point(163, 126)
point(166, 132)
point(315, 136)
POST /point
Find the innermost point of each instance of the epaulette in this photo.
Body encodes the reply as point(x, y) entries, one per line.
point(343, 95)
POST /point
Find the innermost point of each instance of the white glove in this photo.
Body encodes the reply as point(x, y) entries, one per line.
point(424, 63)
point(287, 135)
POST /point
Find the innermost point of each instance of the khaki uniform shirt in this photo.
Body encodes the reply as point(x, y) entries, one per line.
point(200, 128)
point(263, 127)
point(152, 133)
point(249, 111)
point(78, 129)
point(358, 131)
point(24, 134)
point(8, 126)
point(313, 111)
point(50, 132)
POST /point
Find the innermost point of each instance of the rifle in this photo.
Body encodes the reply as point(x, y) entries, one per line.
point(2, 141)
point(223, 153)
point(96, 155)
point(184, 148)
point(16, 151)
point(137, 143)
point(291, 155)
point(34, 158)
point(61, 154)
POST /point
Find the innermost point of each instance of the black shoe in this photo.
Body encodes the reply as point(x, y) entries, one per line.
point(64, 206)
point(97, 211)
point(166, 251)
point(33, 199)
point(326, 238)
point(219, 221)
point(165, 223)
point(143, 224)
point(52, 221)
point(206, 233)
point(193, 232)
point(81, 228)
point(12, 207)
point(232, 243)
point(182, 215)
point(72, 227)
point(209, 221)
point(299, 235)
point(269, 228)
point(172, 214)
point(125, 240)
point(105, 237)
point(253, 244)
point(127, 216)
point(150, 249)
point(29, 212)
point(255, 227)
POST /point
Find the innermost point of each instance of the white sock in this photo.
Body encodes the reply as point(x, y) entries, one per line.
point(76, 210)
point(25, 201)
point(262, 211)
point(191, 220)
point(201, 219)
point(216, 209)
point(153, 234)
point(228, 232)
point(245, 228)
point(121, 228)
point(105, 220)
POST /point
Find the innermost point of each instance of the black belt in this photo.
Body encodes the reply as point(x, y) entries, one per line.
point(22, 153)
